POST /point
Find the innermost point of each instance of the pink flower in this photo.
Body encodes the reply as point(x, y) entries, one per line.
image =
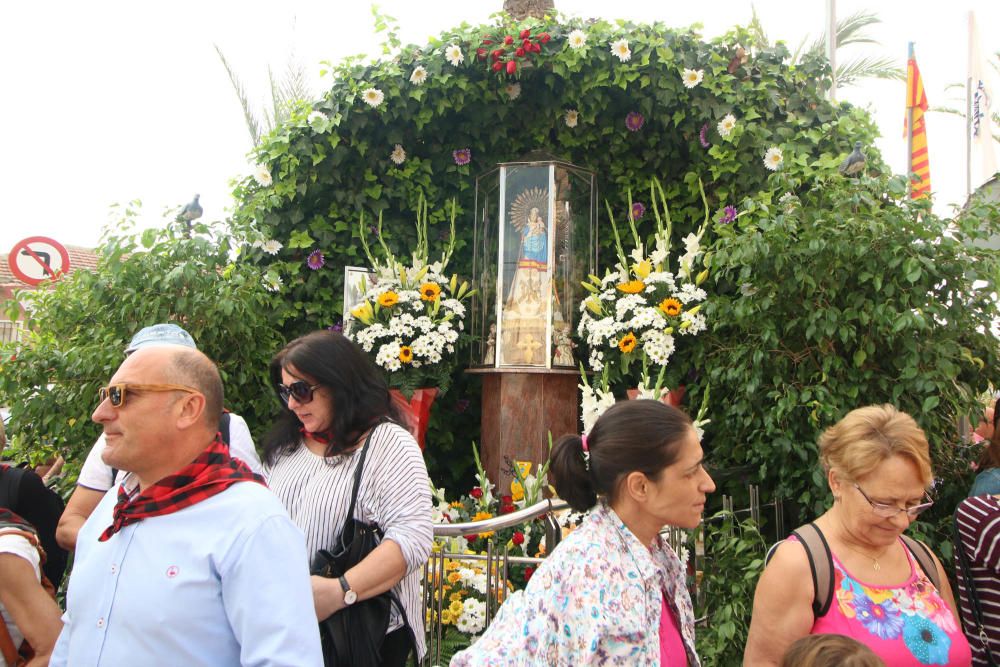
point(638, 210)
point(316, 260)
point(728, 215)
point(462, 156)
point(703, 136)
point(634, 121)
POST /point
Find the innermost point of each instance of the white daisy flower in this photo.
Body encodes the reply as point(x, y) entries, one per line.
point(419, 75)
point(513, 90)
point(373, 97)
point(773, 158)
point(577, 39)
point(726, 125)
point(572, 117)
point(398, 155)
point(454, 55)
point(271, 246)
point(692, 77)
point(621, 50)
point(262, 175)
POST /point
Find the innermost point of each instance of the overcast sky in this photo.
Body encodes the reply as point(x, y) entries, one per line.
point(108, 101)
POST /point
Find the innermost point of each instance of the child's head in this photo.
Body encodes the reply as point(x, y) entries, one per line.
point(830, 651)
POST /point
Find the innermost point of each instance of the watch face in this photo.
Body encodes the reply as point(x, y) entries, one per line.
point(350, 597)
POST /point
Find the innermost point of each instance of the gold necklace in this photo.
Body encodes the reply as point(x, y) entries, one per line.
point(875, 565)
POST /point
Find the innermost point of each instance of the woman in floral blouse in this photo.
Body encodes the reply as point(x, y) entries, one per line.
point(613, 592)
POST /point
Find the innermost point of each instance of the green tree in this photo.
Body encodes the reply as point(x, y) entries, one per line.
point(76, 331)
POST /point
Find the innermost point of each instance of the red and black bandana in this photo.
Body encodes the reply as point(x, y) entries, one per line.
point(10, 520)
point(322, 437)
point(212, 472)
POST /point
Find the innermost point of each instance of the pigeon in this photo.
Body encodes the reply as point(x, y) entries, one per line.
point(854, 163)
point(192, 210)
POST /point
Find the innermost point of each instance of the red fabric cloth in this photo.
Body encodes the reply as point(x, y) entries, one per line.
point(212, 472)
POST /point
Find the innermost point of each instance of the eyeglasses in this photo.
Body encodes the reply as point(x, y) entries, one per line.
point(300, 391)
point(887, 511)
point(116, 392)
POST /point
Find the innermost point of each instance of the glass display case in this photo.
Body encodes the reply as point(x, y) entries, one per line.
point(535, 241)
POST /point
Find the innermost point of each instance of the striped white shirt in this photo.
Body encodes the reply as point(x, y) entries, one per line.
point(394, 493)
point(979, 529)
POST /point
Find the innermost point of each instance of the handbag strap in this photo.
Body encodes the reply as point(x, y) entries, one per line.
point(359, 470)
point(970, 587)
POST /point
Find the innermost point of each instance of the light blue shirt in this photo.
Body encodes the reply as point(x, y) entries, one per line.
point(223, 582)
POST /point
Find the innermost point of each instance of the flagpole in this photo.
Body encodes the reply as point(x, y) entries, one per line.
point(968, 113)
point(909, 121)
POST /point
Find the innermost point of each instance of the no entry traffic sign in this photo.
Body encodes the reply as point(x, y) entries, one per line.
point(38, 258)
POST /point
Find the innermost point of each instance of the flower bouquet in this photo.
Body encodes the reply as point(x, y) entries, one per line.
point(635, 312)
point(412, 316)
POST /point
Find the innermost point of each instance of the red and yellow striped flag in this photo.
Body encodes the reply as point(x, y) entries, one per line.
point(916, 100)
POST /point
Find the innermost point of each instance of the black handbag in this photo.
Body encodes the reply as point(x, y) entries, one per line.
point(354, 635)
point(970, 588)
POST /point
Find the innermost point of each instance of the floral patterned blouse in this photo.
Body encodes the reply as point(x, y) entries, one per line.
point(596, 600)
point(905, 626)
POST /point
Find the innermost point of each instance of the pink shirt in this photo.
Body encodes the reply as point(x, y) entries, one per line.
point(906, 626)
point(672, 651)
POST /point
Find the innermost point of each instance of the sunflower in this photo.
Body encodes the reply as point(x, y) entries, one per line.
point(406, 354)
point(671, 307)
point(627, 343)
point(388, 299)
point(429, 291)
point(632, 287)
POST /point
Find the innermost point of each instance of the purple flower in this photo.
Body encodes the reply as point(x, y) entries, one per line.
point(461, 405)
point(703, 136)
point(337, 327)
point(634, 121)
point(881, 619)
point(316, 260)
point(728, 215)
point(462, 156)
point(638, 210)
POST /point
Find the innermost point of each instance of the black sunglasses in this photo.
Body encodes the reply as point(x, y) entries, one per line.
point(300, 391)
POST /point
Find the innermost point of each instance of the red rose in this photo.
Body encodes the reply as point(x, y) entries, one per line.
point(518, 538)
point(525, 34)
point(507, 500)
point(544, 37)
point(528, 571)
point(519, 52)
point(472, 538)
point(497, 53)
point(537, 48)
point(511, 67)
point(508, 40)
point(481, 54)
point(488, 39)
point(476, 493)
point(507, 509)
point(497, 66)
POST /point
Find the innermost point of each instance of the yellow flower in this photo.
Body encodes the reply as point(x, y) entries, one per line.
point(632, 287)
point(516, 490)
point(388, 299)
point(455, 597)
point(406, 354)
point(456, 608)
point(364, 312)
point(446, 617)
point(594, 305)
point(481, 516)
point(457, 504)
point(430, 291)
point(627, 343)
point(643, 269)
point(670, 307)
point(454, 577)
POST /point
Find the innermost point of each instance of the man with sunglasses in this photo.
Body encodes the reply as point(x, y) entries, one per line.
point(192, 561)
point(96, 476)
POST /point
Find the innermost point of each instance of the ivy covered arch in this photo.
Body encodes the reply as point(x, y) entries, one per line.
point(608, 96)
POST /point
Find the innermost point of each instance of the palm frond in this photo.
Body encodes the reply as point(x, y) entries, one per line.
point(253, 125)
point(294, 86)
point(276, 114)
point(869, 68)
point(849, 31)
point(757, 33)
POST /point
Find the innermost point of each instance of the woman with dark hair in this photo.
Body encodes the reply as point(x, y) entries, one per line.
point(335, 400)
point(988, 479)
point(613, 592)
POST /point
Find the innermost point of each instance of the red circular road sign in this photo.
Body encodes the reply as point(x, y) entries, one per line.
point(38, 258)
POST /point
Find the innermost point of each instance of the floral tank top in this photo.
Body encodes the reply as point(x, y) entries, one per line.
point(905, 626)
